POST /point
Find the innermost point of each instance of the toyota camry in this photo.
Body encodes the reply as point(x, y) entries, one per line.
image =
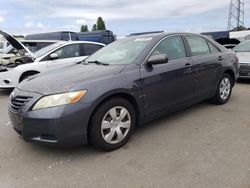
point(125, 84)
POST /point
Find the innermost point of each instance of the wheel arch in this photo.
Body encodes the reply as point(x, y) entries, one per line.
point(29, 72)
point(231, 74)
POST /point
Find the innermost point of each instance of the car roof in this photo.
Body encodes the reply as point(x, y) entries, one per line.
point(82, 42)
point(164, 34)
point(40, 41)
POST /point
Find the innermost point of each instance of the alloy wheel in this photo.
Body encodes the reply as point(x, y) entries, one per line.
point(116, 125)
point(225, 88)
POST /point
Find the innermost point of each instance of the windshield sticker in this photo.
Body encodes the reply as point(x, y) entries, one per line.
point(143, 39)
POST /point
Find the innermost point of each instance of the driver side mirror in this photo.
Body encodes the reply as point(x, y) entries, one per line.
point(54, 56)
point(158, 59)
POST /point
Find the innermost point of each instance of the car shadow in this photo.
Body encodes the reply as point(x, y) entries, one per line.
point(5, 92)
point(243, 81)
point(141, 131)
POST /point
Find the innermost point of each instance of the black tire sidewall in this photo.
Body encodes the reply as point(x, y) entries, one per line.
point(95, 124)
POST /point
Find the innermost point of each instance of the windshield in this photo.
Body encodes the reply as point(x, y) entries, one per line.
point(46, 49)
point(8, 49)
point(123, 51)
point(243, 47)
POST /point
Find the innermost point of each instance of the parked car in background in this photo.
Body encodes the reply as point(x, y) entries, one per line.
point(52, 57)
point(1, 46)
point(105, 37)
point(243, 53)
point(127, 83)
point(61, 35)
point(11, 54)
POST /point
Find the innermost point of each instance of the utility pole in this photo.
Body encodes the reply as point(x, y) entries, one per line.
point(236, 14)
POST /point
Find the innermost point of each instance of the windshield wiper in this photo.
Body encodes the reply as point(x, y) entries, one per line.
point(98, 62)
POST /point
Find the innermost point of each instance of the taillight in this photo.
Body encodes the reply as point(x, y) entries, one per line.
point(237, 59)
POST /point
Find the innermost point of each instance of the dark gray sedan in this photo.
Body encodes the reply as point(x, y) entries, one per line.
point(125, 84)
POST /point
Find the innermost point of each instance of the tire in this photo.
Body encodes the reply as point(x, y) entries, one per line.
point(224, 90)
point(105, 125)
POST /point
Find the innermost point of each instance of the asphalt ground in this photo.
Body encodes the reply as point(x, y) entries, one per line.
point(199, 147)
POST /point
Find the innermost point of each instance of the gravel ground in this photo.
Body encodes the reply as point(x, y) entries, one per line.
point(199, 147)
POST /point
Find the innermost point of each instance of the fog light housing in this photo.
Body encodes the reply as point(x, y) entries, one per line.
point(6, 81)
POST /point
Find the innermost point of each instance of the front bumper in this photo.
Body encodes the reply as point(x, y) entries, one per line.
point(59, 126)
point(244, 70)
point(9, 78)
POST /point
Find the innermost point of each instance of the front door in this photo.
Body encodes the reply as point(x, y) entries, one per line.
point(171, 85)
point(66, 55)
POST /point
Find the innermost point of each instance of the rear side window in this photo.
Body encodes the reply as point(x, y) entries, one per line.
point(198, 45)
point(213, 49)
point(172, 46)
point(91, 48)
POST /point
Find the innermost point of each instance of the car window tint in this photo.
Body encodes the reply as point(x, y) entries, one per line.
point(213, 49)
point(198, 45)
point(68, 51)
point(91, 48)
point(172, 46)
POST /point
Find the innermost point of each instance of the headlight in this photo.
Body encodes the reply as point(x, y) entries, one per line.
point(59, 99)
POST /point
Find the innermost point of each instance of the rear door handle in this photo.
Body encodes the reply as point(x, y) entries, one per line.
point(220, 58)
point(188, 68)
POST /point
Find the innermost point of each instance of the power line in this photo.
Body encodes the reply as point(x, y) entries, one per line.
point(236, 14)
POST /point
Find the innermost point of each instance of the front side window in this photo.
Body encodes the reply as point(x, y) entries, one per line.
point(213, 49)
point(68, 51)
point(46, 49)
point(198, 45)
point(172, 46)
point(91, 48)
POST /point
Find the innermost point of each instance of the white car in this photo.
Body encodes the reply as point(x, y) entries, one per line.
point(54, 56)
point(243, 53)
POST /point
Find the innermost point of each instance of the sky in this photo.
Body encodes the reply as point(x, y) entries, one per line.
point(121, 16)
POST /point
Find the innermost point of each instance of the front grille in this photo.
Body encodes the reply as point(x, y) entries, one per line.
point(19, 102)
point(244, 69)
point(3, 69)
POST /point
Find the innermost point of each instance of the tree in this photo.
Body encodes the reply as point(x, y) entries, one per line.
point(94, 28)
point(84, 28)
point(100, 24)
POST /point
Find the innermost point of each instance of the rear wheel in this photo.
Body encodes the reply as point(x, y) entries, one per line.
point(224, 90)
point(112, 124)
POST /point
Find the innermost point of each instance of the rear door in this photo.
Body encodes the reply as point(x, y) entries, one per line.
point(206, 59)
point(171, 85)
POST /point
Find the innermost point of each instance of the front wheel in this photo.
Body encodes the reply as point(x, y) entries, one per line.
point(224, 90)
point(112, 124)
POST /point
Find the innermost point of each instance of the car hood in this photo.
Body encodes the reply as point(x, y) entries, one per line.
point(16, 44)
point(244, 57)
point(65, 79)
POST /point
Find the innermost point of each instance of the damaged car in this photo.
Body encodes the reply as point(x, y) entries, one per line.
point(127, 83)
point(52, 57)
